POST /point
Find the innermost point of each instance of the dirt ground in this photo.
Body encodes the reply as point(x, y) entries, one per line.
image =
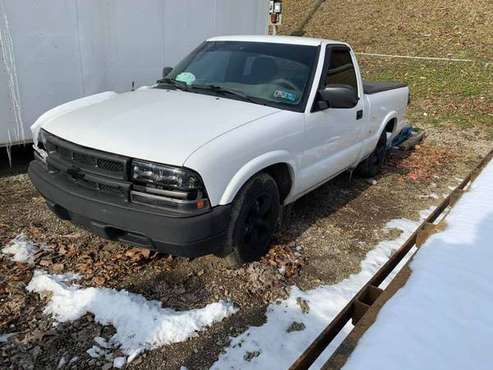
point(331, 231)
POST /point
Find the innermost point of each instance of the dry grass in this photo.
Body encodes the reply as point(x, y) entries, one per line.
point(446, 95)
point(294, 13)
point(460, 28)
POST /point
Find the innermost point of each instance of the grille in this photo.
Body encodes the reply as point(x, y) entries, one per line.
point(110, 189)
point(108, 165)
point(88, 159)
point(114, 190)
point(89, 168)
point(83, 159)
point(64, 152)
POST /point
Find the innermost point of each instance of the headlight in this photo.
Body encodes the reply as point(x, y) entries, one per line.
point(168, 187)
point(165, 177)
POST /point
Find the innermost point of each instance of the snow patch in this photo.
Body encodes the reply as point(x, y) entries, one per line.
point(119, 362)
point(21, 249)
point(140, 324)
point(442, 315)
point(62, 363)
point(4, 338)
point(274, 347)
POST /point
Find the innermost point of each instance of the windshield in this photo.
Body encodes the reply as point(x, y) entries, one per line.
point(264, 73)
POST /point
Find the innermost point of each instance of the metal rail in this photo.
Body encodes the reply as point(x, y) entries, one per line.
point(363, 300)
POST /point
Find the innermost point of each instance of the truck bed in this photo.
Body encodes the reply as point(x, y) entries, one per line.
point(373, 87)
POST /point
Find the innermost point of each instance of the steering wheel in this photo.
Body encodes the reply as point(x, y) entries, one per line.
point(285, 83)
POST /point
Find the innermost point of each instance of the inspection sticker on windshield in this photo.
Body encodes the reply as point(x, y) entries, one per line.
point(187, 77)
point(290, 96)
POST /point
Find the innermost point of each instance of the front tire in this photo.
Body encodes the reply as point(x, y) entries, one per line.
point(254, 219)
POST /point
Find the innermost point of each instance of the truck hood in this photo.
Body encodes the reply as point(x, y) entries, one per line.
point(164, 126)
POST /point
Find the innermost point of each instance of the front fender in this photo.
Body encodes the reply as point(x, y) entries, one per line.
point(253, 167)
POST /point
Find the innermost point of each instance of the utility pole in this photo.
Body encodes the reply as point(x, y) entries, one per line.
point(275, 15)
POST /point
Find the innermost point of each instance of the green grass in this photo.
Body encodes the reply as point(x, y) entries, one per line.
point(443, 93)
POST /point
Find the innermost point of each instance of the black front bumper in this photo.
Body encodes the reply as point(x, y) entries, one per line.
point(118, 219)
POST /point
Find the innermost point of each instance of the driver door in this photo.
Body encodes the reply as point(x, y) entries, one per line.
point(333, 134)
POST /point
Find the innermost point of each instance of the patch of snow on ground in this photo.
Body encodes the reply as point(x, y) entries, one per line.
point(4, 338)
point(442, 315)
point(119, 362)
point(62, 363)
point(21, 249)
point(140, 324)
point(270, 346)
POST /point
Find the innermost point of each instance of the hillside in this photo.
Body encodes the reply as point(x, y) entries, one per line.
point(444, 93)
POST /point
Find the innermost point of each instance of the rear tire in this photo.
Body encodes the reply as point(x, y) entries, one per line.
point(372, 165)
point(254, 219)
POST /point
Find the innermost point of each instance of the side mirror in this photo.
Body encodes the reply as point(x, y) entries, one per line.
point(166, 71)
point(337, 96)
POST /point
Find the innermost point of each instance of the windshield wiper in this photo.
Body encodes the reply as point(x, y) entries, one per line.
point(178, 84)
point(224, 90)
point(213, 88)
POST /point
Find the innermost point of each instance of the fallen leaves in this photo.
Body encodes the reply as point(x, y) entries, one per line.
point(288, 261)
point(296, 326)
point(99, 281)
point(57, 267)
point(68, 250)
point(249, 356)
point(138, 254)
point(423, 163)
point(304, 306)
point(45, 262)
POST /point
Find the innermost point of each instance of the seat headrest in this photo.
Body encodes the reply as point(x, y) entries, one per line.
point(264, 69)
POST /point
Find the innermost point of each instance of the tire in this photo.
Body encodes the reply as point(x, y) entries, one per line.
point(254, 219)
point(372, 165)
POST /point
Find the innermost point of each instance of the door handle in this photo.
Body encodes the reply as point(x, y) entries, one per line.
point(359, 114)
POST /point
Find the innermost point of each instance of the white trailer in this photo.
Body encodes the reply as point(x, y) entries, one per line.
point(54, 51)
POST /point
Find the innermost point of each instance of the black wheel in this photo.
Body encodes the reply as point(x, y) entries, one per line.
point(254, 219)
point(372, 165)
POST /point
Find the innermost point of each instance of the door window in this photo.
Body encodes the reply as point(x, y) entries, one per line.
point(341, 69)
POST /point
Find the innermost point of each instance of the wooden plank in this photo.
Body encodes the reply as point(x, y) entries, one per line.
point(359, 310)
point(412, 141)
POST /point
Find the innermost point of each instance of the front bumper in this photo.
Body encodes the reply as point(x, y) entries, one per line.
point(117, 219)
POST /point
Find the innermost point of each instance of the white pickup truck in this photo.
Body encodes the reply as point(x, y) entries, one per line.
point(204, 161)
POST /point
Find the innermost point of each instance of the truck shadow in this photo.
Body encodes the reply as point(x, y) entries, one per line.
point(349, 195)
point(320, 204)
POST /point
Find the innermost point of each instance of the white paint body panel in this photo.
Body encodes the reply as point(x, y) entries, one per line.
point(55, 51)
point(163, 126)
point(228, 141)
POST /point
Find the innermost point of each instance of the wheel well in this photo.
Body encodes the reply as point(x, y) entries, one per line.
point(390, 127)
point(280, 173)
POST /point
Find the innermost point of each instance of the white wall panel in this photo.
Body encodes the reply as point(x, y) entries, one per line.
point(65, 49)
point(8, 122)
point(46, 55)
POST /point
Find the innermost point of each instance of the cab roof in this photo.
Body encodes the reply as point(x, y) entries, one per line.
point(290, 40)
